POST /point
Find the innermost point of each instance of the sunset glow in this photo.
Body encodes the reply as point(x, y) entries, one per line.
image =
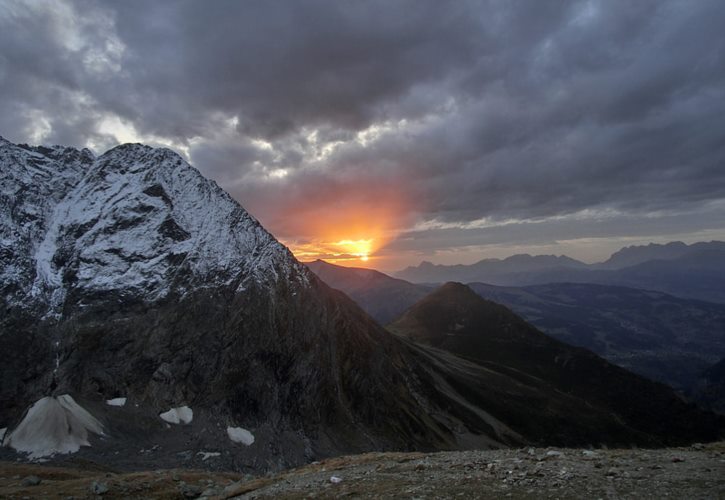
point(345, 251)
point(347, 224)
point(350, 238)
point(357, 248)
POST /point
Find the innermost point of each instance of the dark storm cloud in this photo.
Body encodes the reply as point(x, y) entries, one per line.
point(498, 109)
point(280, 66)
point(550, 232)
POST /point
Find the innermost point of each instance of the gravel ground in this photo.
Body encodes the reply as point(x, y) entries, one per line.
point(697, 472)
point(687, 473)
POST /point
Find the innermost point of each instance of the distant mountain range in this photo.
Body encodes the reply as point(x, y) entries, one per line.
point(692, 271)
point(663, 337)
point(638, 254)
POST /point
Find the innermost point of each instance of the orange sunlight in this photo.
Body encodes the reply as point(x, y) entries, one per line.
point(344, 251)
point(349, 236)
point(346, 224)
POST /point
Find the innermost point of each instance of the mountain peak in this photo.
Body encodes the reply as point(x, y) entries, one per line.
point(454, 288)
point(453, 310)
point(138, 219)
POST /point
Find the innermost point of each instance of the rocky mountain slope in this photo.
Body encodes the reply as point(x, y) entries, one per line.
point(138, 291)
point(381, 296)
point(132, 276)
point(455, 319)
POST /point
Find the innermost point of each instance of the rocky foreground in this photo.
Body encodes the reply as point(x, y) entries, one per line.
point(696, 472)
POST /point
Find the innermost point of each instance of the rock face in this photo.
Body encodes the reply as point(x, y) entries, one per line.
point(455, 319)
point(89, 244)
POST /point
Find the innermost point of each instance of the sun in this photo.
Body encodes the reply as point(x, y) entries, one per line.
point(344, 251)
point(358, 248)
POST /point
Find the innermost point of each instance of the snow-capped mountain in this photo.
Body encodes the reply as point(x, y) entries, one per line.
point(131, 278)
point(138, 221)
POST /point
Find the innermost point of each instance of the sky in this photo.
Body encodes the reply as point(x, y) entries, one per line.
point(384, 133)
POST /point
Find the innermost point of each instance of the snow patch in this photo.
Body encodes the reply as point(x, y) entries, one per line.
point(116, 402)
point(180, 415)
point(240, 435)
point(54, 425)
point(208, 454)
point(2, 434)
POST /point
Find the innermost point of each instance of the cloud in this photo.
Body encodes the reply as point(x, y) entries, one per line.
point(316, 112)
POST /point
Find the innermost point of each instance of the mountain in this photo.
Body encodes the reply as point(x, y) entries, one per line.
point(132, 276)
point(137, 293)
point(696, 271)
point(455, 319)
point(488, 270)
point(698, 275)
point(662, 337)
point(638, 254)
point(381, 296)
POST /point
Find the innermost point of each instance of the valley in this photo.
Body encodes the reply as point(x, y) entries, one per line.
point(662, 337)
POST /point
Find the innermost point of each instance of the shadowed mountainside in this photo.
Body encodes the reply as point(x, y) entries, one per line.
point(381, 296)
point(710, 388)
point(455, 319)
point(662, 337)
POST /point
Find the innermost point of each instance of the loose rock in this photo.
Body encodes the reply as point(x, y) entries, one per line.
point(98, 488)
point(31, 481)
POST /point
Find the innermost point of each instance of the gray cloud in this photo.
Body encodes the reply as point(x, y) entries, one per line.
point(471, 109)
